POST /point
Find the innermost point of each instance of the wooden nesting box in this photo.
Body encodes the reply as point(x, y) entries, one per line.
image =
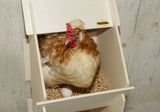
point(101, 18)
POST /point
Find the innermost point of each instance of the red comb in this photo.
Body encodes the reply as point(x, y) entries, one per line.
point(69, 30)
point(70, 35)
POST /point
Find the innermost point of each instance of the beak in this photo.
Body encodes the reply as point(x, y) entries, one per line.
point(67, 41)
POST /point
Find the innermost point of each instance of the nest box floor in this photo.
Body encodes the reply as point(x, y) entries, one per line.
point(99, 84)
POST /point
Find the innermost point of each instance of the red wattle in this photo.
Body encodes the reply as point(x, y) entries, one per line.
point(72, 44)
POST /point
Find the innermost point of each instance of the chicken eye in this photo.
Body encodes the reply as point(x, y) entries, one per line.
point(76, 31)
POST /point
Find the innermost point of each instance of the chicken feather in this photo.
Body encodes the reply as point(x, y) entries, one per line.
point(69, 65)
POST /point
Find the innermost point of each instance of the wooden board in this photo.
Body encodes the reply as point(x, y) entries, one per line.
point(114, 12)
point(29, 105)
point(52, 15)
point(112, 59)
point(82, 102)
point(27, 60)
point(117, 105)
point(37, 82)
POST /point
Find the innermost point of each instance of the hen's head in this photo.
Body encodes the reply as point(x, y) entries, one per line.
point(73, 32)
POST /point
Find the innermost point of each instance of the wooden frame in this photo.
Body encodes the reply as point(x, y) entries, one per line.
point(98, 10)
point(113, 66)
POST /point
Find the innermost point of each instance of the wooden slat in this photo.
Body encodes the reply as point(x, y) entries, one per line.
point(112, 60)
point(52, 15)
point(27, 17)
point(82, 102)
point(27, 60)
point(29, 105)
point(38, 87)
point(112, 57)
point(114, 13)
point(117, 105)
point(37, 83)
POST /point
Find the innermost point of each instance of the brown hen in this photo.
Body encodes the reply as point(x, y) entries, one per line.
point(69, 58)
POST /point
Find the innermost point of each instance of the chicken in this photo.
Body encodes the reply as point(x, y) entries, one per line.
point(69, 58)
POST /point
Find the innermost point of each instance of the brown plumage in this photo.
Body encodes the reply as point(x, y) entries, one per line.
point(64, 64)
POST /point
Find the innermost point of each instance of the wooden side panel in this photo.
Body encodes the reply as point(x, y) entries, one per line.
point(27, 60)
point(37, 82)
point(82, 102)
point(114, 12)
point(117, 105)
point(52, 15)
point(112, 59)
point(29, 105)
point(27, 17)
point(38, 87)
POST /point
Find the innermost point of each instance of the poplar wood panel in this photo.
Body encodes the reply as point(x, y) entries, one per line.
point(140, 34)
